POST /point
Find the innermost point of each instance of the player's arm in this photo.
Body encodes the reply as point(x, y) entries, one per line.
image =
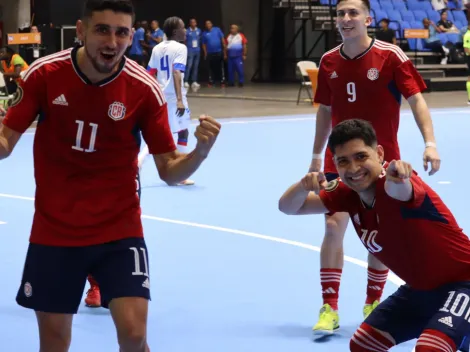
point(8, 140)
point(323, 120)
point(179, 66)
point(397, 183)
point(175, 167)
point(303, 198)
point(411, 84)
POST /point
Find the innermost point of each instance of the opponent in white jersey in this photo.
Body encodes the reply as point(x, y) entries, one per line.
point(168, 63)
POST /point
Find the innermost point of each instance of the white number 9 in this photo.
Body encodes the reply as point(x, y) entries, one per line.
point(351, 89)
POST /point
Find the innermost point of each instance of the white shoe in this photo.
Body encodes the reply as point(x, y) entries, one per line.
point(186, 183)
point(444, 61)
point(186, 85)
point(195, 85)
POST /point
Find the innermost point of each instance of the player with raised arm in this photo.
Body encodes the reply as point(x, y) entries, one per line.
point(168, 63)
point(363, 77)
point(405, 224)
point(93, 105)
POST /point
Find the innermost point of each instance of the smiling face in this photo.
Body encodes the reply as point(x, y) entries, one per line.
point(352, 19)
point(106, 36)
point(359, 165)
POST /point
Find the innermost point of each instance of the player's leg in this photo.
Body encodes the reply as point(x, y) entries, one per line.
point(239, 67)
point(231, 69)
point(93, 296)
point(449, 329)
point(394, 321)
point(377, 274)
point(331, 267)
point(52, 285)
point(123, 273)
point(181, 125)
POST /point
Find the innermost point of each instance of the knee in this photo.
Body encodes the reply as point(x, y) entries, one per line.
point(132, 338)
point(54, 334)
point(368, 339)
point(434, 341)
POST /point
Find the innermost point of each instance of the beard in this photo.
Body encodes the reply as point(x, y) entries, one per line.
point(102, 68)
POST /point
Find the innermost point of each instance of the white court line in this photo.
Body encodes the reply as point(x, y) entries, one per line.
point(391, 277)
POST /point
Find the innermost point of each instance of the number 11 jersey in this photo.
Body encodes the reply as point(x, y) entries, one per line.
point(86, 146)
point(368, 87)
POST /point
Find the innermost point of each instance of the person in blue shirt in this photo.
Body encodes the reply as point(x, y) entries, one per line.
point(155, 36)
point(138, 50)
point(215, 52)
point(193, 42)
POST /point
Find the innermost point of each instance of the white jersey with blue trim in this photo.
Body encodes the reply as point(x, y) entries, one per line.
point(167, 57)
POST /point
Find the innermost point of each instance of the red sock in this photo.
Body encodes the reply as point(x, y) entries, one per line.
point(92, 281)
point(434, 341)
point(367, 338)
point(330, 280)
point(376, 280)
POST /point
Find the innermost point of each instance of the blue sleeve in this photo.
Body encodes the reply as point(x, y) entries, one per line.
point(160, 33)
point(203, 39)
point(140, 35)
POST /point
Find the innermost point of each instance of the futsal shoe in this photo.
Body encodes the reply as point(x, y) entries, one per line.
point(328, 322)
point(93, 297)
point(368, 308)
point(186, 183)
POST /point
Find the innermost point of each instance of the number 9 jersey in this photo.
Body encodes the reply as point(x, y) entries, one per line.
point(86, 145)
point(368, 87)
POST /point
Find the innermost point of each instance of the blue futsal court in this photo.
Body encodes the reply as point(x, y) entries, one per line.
point(229, 272)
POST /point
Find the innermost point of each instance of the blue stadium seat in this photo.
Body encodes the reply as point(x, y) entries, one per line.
point(416, 44)
point(459, 16)
point(454, 38)
point(404, 25)
point(399, 5)
point(407, 16)
point(394, 15)
point(419, 15)
point(459, 24)
point(450, 16)
point(433, 15)
point(386, 5)
point(380, 15)
point(396, 27)
point(443, 38)
point(415, 5)
point(417, 25)
point(374, 5)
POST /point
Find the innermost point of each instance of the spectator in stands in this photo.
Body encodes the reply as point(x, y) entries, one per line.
point(445, 25)
point(433, 42)
point(155, 35)
point(236, 53)
point(12, 65)
point(386, 34)
point(215, 52)
point(193, 42)
point(138, 51)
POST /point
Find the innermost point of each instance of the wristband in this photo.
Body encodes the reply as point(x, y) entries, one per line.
point(316, 156)
point(431, 144)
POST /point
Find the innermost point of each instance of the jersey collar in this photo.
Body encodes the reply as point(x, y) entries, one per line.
point(85, 79)
point(342, 53)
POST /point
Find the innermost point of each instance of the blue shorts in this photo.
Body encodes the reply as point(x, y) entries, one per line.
point(408, 312)
point(54, 277)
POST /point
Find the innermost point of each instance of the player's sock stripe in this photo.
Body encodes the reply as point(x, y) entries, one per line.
point(373, 339)
point(377, 277)
point(430, 344)
point(145, 77)
point(368, 348)
point(329, 275)
point(330, 280)
point(436, 340)
point(152, 87)
point(50, 59)
point(366, 343)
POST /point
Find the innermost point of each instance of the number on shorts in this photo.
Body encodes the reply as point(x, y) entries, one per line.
point(351, 89)
point(457, 305)
point(137, 270)
point(165, 66)
point(78, 140)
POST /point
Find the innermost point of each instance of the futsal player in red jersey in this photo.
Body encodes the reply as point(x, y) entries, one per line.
point(405, 224)
point(93, 104)
point(365, 78)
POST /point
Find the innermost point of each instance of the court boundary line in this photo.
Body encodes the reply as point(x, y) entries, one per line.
point(391, 277)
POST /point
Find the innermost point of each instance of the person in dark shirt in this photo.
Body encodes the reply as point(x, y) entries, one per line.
point(386, 34)
point(445, 25)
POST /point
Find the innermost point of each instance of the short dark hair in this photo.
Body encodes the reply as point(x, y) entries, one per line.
point(352, 129)
point(170, 25)
point(121, 6)
point(366, 3)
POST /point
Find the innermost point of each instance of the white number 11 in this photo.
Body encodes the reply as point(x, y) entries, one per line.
point(78, 141)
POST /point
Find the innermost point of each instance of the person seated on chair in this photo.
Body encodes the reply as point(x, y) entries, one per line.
point(433, 42)
point(445, 25)
point(12, 65)
point(386, 34)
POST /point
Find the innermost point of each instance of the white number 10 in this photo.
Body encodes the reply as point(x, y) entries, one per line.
point(351, 89)
point(78, 141)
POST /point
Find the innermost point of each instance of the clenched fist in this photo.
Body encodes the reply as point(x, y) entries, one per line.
point(398, 171)
point(314, 181)
point(206, 134)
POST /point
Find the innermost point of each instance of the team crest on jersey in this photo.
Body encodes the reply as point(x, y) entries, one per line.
point(17, 97)
point(373, 74)
point(117, 111)
point(332, 185)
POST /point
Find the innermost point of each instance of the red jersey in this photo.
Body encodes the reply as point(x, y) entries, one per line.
point(86, 146)
point(368, 87)
point(419, 240)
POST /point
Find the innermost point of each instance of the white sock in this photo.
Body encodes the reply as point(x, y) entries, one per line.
point(142, 155)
